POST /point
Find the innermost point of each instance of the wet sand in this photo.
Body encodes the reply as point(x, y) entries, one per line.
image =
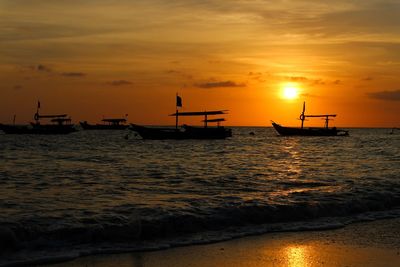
point(362, 244)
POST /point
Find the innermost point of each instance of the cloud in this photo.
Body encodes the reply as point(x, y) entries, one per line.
point(179, 73)
point(312, 82)
point(173, 72)
point(119, 83)
point(345, 19)
point(386, 95)
point(258, 76)
point(219, 84)
point(17, 87)
point(73, 74)
point(297, 79)
point(318, 82)
point(367, 79)
point(45, 69)
point(308, 95)
point(302, 79)
point(40, 68)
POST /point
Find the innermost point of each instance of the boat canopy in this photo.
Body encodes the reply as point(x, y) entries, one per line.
point(320, 116)
point(52, 116)
point(60, 120)
point(214, 120)
point(114, 120)
point(199, 113)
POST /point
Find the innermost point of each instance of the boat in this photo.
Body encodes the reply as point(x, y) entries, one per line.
point(311, 131)
point(186, 132)
point(393, 131)
point(60, 124)
point(108, 124)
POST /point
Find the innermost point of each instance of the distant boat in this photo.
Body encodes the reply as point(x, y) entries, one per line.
point(312, 131)
point(394, 130)
point(60, 124)
point(186, 132)
point(108, 124)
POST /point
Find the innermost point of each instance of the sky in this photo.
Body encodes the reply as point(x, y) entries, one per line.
point(103, 58)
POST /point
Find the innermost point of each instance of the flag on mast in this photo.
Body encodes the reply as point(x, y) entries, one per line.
point(178, 101)
point(38, 104)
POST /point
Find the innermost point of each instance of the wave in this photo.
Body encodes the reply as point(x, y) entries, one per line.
point(25, 241)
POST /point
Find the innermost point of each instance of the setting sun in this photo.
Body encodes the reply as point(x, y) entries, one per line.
point(290, 91)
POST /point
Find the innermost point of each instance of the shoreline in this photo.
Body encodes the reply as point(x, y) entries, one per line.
point(375, 243)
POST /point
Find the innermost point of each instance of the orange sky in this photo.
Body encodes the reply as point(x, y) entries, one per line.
point(110, 58)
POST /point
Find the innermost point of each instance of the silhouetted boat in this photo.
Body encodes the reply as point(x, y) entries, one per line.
point(109, 124)
point(61, 124)
point(186, 132)
point(312, 131)
point(394, 130)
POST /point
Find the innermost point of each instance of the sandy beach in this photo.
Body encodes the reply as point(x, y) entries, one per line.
point(374, 243)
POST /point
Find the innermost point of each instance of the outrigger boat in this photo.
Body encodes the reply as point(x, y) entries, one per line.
point(187, 132)
point(312, 131)
point(61, 124)
point(108, 124)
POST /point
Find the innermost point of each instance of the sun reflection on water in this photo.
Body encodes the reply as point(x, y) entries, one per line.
point(293, 161)
point(297, 256)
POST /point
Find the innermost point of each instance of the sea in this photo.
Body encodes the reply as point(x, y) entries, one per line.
point(93, 192)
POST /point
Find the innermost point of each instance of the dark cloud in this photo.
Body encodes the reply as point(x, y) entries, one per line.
point(219, 84)
point(386, 95)
point(255, 73)
point(119, 83)
point(35, 68)
point(173, 72)
point(45, 69)
point(17, 87)
point(337, 82)
point(42, 68)
point(73, 74)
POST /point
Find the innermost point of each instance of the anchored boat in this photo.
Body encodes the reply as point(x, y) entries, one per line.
point(60, 124)
point(311, 131)
point(394, 130)
point(108, 124)
point(187, 132)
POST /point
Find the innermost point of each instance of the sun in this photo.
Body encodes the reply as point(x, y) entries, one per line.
point(290, 91)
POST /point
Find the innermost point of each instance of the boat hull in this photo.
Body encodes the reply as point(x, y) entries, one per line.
point(293, 131)
point(187, 133)
point(207, 133)
point(87, 126)
point(37, 129)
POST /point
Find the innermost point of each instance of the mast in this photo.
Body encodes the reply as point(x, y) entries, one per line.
point(302, 117)
point(178, 104)
point(326, 121)
point(176, 113)
point(176, 118)
point(37, 116)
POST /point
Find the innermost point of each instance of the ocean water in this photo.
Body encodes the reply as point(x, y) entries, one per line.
point(99, 192)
